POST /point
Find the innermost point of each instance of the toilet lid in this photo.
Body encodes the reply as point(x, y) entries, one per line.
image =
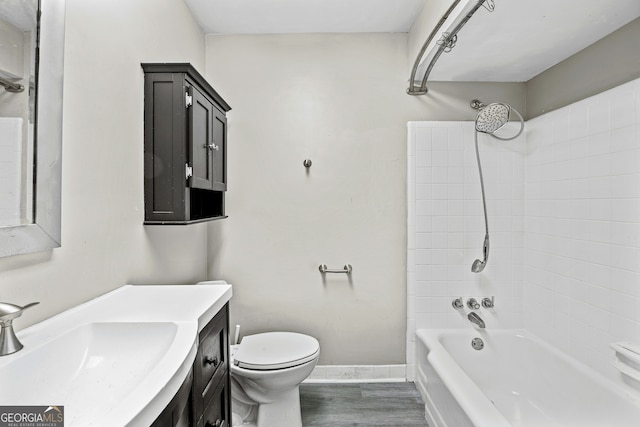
point(275, 350)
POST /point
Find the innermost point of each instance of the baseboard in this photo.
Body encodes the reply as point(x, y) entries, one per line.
point(358, 374)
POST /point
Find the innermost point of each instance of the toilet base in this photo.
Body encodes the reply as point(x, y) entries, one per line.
point(284, 412)
point(236, 421)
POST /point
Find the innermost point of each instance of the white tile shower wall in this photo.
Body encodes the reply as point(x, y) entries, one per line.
point(446, 227)
point(582, 241)
point(10, 159)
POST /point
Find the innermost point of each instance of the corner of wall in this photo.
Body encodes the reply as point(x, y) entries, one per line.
point(615, 57)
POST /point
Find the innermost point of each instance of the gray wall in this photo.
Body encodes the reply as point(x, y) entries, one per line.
point(104, 242)
point(603, 65)
point(337, 99)
point(340, 101)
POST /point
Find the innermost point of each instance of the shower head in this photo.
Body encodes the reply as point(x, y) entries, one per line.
point(492, 117)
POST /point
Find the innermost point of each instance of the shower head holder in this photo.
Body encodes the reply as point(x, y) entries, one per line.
point(476, 104)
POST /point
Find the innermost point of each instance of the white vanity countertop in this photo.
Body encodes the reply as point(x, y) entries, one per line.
point(65, 358)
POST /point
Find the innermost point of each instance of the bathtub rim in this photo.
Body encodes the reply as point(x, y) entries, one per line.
point(469, 395)
point(475, 404)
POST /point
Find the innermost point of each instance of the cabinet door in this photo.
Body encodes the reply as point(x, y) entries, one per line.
point(219, 150)
point(165, 147)
point(201, 150)
point(211, 373)
point(216, 413)
point(178, 412)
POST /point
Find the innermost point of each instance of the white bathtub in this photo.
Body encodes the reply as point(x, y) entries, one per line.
point(515, 380)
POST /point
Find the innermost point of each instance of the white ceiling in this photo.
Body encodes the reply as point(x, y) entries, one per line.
point(522, 38)
point(304, 16)
point(517, 41)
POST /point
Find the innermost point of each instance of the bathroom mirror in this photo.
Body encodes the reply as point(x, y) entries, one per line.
point(31, 56)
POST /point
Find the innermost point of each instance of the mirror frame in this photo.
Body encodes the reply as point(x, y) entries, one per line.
point(45, 231)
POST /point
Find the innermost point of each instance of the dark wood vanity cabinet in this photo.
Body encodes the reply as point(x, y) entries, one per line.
point(204, 399)
point(179, 412)
point(212, 380)
point(185, 146)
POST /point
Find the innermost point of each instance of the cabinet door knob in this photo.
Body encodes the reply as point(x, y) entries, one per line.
point(208, 360)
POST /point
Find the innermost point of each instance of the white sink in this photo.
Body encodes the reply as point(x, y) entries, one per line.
point(116, 360)
point(98, 362)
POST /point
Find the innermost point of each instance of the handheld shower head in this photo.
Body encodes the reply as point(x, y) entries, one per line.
point(478, 265)
point(490, 118)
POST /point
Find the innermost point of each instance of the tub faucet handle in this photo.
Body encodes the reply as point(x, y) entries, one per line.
point(473, 304)
point(457, 303)
point(488, 302)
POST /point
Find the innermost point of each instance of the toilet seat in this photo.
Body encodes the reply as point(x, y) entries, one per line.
point(275, 350)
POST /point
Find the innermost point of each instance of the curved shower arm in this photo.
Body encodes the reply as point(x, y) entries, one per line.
point(448, 40)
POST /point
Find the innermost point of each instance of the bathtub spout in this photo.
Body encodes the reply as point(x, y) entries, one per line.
point(474, 318)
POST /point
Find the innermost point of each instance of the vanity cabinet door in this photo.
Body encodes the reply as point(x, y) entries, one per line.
point(211, 357)
point(178, 412)
point(211, 370)
point(215, 414)
point(204, 399)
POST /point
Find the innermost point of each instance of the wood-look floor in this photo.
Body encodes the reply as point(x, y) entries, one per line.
point(364, 404)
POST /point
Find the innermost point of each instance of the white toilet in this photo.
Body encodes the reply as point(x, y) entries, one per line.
point(266, 370)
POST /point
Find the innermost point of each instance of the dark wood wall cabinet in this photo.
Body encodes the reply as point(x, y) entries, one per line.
point(204, 399)
point(185, 146)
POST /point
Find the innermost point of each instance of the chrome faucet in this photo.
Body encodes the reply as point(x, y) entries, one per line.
point(488, 302)
point(474, 318)
point(9, 343)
